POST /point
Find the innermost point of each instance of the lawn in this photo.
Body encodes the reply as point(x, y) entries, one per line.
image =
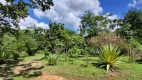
point(76, 69)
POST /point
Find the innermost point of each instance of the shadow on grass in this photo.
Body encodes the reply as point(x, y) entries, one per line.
point(138, 61)
point(7, 66)
point(12, 68)
point(42, 58)
point(103, 66)
point(75, 57)
point(98, 65)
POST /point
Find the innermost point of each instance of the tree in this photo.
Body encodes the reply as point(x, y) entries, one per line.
point(44, 4)
point(38, 34)
point(88, 24)
point(53, 34)
point(13, 11)
point(93, 24)
point(70, 39)
point(26, 42)
point(131, 26)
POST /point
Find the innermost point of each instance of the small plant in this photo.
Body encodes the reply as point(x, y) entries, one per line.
point(3, 57)
point(109, 55)
point(15, 56)
point(23, 54)
point(52, 59)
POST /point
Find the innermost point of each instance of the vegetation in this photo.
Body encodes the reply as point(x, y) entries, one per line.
point(72, 55)
point(52, 59)
point(109, 55)
point(78, 71)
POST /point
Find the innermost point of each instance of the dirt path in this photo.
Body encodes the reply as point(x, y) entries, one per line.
point(35, 65)
point(46, 76)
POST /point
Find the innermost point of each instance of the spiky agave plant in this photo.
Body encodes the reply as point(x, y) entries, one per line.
point(109, 55)
point(52, 59)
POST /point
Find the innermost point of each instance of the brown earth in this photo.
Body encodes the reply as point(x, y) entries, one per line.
point(46, 76)
point(24, 67)
point(112, 75)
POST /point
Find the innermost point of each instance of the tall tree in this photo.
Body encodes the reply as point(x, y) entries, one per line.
point(53, 34)
point(93, 24)
point(131, 26)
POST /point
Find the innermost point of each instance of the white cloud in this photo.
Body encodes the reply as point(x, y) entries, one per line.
point(69, 11)
point(84, 5)
point(111, 17)
point(43, 25)
point(135, 3)
point(3, 2)
point(29, 21)
point(51, 14)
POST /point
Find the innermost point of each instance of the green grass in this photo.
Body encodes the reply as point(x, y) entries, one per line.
point(36, 56)
point(75, 69)
point(19, 78)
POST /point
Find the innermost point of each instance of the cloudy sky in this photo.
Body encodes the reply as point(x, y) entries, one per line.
point(69, 11)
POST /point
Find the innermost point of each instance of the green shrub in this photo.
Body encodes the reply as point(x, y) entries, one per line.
point(27, 43)
point(23, 54)
point(52, 59)
point(15, 56)
point(136, 49)
point(74, 51)
point(109, 55)
point(8, 49)
point(40, 52)
point(3, 57)
point(47, 53)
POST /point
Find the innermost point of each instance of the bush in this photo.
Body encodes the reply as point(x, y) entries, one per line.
point(3, 57)
point(8, 48)
point(15, 56)
point(135, 50)
point(105, 39)
point(52, 59)
point(40, 52)
point(74, 51)
point(23, 54)
point(109, 55)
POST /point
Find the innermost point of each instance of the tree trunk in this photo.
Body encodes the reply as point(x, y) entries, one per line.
point(51, 43)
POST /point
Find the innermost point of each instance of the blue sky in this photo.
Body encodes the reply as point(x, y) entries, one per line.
point(118, 7)
point(69, 11)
